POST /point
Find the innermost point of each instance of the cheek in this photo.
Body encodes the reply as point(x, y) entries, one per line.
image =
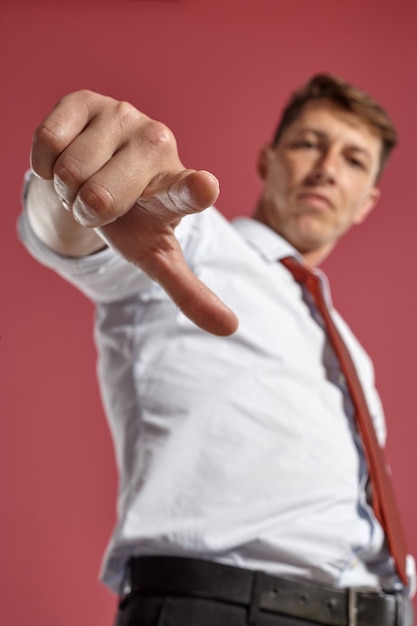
point(298, 170)
point(356, 199)
point(285, 176)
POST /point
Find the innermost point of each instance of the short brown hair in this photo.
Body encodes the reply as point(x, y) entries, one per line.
point(349, 97)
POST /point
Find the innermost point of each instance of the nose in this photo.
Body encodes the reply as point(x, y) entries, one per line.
point(324, 169)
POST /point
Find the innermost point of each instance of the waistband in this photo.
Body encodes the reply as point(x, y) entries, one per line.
point(259, 591)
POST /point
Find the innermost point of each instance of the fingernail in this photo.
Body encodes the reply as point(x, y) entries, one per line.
point(83, 213)
point(62, 190)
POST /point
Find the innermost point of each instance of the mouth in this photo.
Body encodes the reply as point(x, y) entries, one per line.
point(315, 199)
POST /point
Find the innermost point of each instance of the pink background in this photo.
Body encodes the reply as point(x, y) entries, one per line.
point(217, 72)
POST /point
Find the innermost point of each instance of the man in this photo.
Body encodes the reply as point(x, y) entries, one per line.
point(244, 485)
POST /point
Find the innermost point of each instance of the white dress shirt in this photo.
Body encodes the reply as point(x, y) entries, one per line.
point(239, 449)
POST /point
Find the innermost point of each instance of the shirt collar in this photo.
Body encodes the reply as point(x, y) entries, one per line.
point(272, 247)
point(264, 240)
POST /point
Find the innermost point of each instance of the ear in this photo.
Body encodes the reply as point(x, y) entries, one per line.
point(263, 161)
point(370, 202)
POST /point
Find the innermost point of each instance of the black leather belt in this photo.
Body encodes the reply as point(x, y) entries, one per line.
point(259, 591)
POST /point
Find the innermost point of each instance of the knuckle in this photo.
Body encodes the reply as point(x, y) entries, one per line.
point(159, 135)
point(84, 94)
point(139, 130)
point(100, 200)
point(127, 115)
point(82, 97)
point(55, 131)
point(70, 171)
point(50, 137)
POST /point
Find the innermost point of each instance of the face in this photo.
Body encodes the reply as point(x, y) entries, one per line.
point(319, 179)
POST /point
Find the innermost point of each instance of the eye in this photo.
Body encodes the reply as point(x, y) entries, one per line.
point(356, 163)
point(305, 144)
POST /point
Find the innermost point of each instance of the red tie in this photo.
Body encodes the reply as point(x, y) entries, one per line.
point(383, 500)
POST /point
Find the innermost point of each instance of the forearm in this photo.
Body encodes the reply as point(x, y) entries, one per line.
point(55, 226)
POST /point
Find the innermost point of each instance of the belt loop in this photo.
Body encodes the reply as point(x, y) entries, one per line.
point(352, 607)
point(399, 610)
point(404, 610)
point(255, 597)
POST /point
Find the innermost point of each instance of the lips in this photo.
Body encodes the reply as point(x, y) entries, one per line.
point(318, 199)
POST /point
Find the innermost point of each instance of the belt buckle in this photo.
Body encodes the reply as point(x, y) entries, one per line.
point(353, 595)
point(352, 607)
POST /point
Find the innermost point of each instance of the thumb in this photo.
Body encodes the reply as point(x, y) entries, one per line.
point(169, 197)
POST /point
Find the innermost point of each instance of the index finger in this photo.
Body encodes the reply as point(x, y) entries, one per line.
point(196, 300)
point(161, 258)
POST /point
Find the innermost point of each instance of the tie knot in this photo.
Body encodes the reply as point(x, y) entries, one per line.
point(306, 277)
point(300, 272)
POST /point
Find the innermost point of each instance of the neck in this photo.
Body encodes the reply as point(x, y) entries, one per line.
point(312, 257)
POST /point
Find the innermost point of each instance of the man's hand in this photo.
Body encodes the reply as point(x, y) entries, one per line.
point(118, 172)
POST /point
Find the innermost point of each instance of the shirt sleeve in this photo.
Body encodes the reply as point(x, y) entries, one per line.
point(104, 276)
